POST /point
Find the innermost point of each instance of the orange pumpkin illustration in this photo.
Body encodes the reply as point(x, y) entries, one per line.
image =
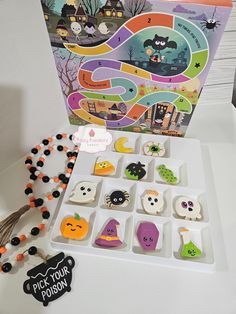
point(74, 228)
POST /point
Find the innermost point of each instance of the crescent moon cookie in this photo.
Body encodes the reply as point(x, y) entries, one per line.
point(152, 202)
point(154, 149)
point(120, 148)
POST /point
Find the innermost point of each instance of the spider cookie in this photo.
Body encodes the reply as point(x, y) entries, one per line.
point(147, 234)
point(188, 208)
point(167, 175)
point(154, 149)
point(84, 192)
point(152, 202)
point(117, 198)
point(135, 171)
point(103, 167)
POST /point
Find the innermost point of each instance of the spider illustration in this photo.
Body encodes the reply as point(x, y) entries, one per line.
point(117, 198)
point(211, 23)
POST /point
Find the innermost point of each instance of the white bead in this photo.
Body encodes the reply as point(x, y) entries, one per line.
point(28, 235)
point(54, 147)
point(54, 137)
point(8, 246)
point(43, 156)
point(37, 173)
point(41, 145)
point(60, 189)
point(31, 181)
point(31, 155)
point(51, 181)
point(67, 175)
point(45, 221)
point(13, 263)
point(45, 200)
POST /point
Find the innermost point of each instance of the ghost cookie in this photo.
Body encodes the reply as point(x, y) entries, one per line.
point(152, 202)
point(84, 192)
point(188, 208)
point(147, 234)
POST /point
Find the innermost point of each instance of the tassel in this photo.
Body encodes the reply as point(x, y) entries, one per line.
point(8, 224)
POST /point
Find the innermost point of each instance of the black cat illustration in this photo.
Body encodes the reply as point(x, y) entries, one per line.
point(159, 43)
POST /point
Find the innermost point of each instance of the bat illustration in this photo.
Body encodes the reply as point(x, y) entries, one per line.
point(159, 43)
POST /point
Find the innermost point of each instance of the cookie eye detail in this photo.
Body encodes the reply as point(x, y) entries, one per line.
point(163, 43)
point(155, 200)
point(89, 190)
point(120, 199)
point(151, 239)
point(190, 203)
point(82, 188)
point(149, 199)
point(157, 42)
point(144, 239)
point(69, 224)
point(108, 230)
point(184, 204)
point(115, 199)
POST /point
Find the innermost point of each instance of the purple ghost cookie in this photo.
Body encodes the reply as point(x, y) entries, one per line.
point(148, 235)
point(109, 237)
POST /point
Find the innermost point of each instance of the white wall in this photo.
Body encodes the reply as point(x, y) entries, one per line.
point(31, 102)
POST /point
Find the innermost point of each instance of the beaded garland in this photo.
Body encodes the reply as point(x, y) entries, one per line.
point(35, 169)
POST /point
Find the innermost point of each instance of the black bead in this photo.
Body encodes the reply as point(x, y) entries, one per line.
point(45, 142)
point(33, 177)
point(60, 148)
point(47, 152)
point(45, 179)
point(6, 267)
point(56, 194)
point(34, 151)
point(75, 154)
point(33, 169)
point(61, 176)
point(32, 250)
point(40, 163)
point(65, 180)
point(70, 165)
point(70, 137)
point(45, 215)
point(38, 202)
point(69, 154)
point(28, 191)
point(0, 255)
point(28, 161)
point(59, 136)
point(35, 231)
point(15, 241)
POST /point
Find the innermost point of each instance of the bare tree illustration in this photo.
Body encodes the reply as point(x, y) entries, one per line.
point(49, 4)
point(91, 6)
point(135, 7)
point(67, 67)
point(131, 53)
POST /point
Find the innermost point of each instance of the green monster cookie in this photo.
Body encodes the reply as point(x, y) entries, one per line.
point(167, 175)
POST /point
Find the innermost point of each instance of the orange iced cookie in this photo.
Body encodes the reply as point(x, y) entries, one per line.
point(74, 227)
point(103, 168)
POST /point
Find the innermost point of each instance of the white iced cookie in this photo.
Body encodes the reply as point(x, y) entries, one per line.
point(84, 192)
point(152, 202)
point(188, 208)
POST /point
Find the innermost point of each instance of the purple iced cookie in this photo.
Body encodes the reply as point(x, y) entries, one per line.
point(109, 237)
point(148, 235)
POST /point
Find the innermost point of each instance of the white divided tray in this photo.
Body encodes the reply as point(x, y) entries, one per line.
point(183, 157)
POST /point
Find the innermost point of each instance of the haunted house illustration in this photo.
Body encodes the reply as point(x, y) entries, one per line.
point(112, 8)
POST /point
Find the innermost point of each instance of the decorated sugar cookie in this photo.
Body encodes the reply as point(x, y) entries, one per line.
point(117, 198)
point(167, 175)
point(152, 202)
point(103, 167)
point(109, 237)
point(188, 208)
point(189, 249)
point(74, 227)
point(84, 192)
point(120, 148)
point(135, 171)
point(147, 234)
point(154, 149)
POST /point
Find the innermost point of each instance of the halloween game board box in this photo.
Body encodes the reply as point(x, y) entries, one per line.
point(134, 65)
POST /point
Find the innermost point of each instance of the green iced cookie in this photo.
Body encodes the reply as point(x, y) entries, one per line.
point(190, 250)
point(167, 175)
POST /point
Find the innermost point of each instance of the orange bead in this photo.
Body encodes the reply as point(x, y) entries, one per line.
point(63, 186)
point(41, 175)
point(65, 149)
point(64, 135)
point(68, 170)
point(22, 237)
point(42, 159)
point(41, 227)
point(29, 185)
point(3, 250)
point(43, 209)
point(50, 139)
point(50, 197)
point(73, 158)
point(38, 147)
point(19, 257)
point(50, 148)
point(0, 268)
point(32, 199)
point(56, 179)
point(28, 167)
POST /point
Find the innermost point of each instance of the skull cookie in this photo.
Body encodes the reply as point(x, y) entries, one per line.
point(152, 202)
point(117, 198)
point(147, 234)
point(84, 192)
point(188, 208)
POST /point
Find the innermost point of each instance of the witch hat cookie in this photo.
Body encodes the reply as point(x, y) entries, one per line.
point(109, 237)
point(189, 248)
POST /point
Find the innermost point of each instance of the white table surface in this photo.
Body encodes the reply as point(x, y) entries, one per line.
point(108, 286)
